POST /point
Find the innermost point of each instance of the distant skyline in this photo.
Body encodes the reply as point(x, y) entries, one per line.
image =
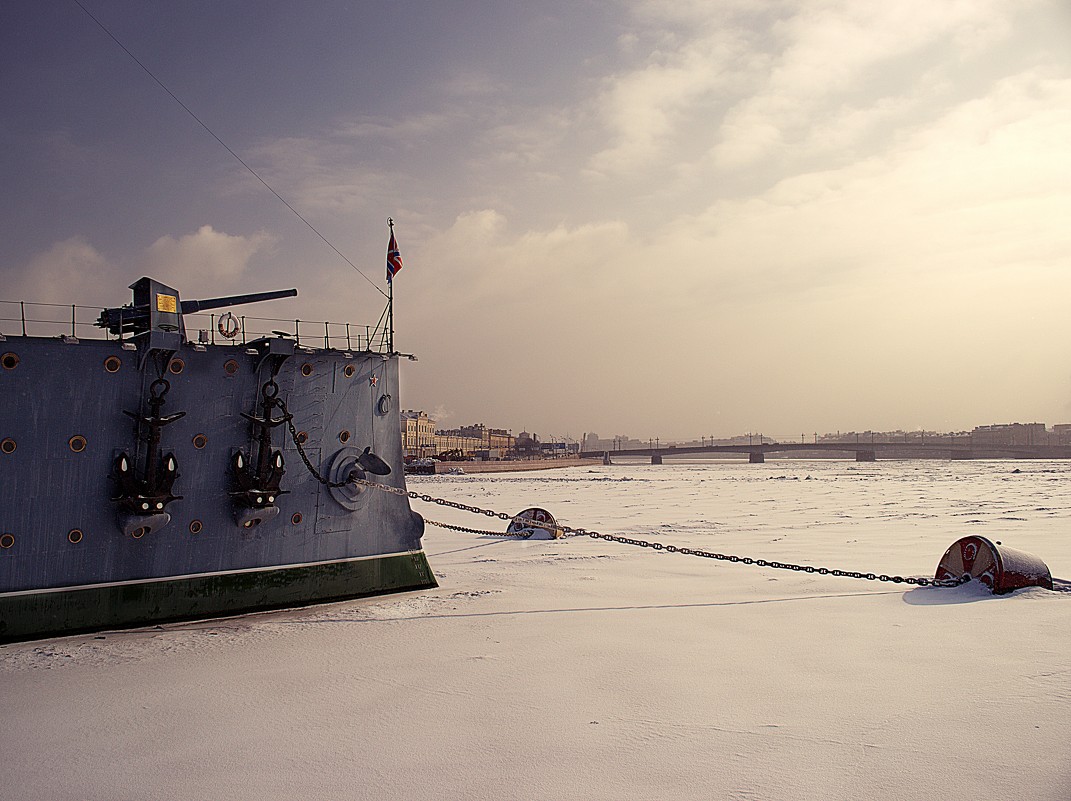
point(644, 217)
point(767, 435)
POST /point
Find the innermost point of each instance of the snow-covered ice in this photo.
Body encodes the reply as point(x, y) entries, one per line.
point(582, 669)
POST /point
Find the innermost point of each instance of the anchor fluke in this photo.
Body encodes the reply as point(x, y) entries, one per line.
point(373, 464)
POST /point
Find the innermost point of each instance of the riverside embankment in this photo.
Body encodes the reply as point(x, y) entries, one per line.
point(512, 466)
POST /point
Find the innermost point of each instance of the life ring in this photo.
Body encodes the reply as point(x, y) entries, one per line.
point(228, 325)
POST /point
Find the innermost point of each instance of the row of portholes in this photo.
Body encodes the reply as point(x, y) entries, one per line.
point(113, 364)
point(78, 443)
point(176, 366)
point(76, 535)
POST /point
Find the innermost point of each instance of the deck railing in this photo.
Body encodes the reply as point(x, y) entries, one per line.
point(19, 318)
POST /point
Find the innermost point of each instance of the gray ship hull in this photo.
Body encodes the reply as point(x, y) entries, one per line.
point(74, 557)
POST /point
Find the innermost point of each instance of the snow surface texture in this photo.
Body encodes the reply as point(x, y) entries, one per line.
point(581, 669)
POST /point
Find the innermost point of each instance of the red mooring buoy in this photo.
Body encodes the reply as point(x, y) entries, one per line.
point(1000, 568)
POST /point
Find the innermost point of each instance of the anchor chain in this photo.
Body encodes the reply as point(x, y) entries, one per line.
point(920, 581)
point(485, 532)
point(289, 418)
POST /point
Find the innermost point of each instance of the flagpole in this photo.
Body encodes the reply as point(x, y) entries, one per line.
point(390, 297)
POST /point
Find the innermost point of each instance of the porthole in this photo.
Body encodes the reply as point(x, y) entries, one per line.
point(349, 370)
point(344, 436)
point(138, 533)
point(112, 364)
point(230, 367)
point(196, 526)
point(75, 536)
point(8, 445)
point(296, 518)
point(9, 360)
point(306, 369)
point(7, 540)
point(77, 443)
point(302, 437)
point(199, 441)
point(176, 366)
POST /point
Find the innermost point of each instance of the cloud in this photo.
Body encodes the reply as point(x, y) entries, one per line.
point(828, 52)
point(413, 126)
point(645, 109)
point(745, 83)
point(205, 260)
point(71, 271)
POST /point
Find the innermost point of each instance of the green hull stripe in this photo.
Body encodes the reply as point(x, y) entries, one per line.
point(27, 617)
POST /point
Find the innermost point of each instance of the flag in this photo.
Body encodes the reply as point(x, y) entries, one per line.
point(394, 257)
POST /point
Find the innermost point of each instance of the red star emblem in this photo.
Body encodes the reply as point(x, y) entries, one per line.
point(373, 380)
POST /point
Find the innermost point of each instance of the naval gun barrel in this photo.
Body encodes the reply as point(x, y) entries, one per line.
point(157, 307)
point(193, 306)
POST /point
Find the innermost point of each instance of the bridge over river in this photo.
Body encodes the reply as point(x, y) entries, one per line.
point(947, 448)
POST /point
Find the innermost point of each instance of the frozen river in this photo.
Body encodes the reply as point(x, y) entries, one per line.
point(579, 668)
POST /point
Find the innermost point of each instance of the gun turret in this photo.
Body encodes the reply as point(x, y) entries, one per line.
point(156, 307)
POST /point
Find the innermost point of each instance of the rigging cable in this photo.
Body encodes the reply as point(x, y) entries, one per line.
point(228, 149)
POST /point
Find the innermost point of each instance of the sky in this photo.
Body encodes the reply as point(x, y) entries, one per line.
point(652, 218)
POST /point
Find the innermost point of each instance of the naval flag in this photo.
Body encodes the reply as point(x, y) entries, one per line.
point(394, 257)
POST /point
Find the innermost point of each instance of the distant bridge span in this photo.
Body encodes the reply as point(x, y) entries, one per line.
point(863, 451)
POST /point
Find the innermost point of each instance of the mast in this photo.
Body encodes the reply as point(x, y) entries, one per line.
point(390, 288)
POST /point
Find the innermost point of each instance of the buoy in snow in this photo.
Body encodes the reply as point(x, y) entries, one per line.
point(1000, 568)
point(535, 521)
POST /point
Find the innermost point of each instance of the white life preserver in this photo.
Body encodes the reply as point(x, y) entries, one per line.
point(228, 325)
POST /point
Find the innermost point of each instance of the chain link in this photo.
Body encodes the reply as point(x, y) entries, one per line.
point(521, 534)
point(301, 451)
point(919, 581)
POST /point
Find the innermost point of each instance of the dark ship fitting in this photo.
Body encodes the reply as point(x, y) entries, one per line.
point(149, 477)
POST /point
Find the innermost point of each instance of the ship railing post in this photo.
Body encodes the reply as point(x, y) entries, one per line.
point(212, 327)
point(74, 322)
point(242, 318)
point(349, 346)
point(22, 314)
point(327, 336)
point(297, 332)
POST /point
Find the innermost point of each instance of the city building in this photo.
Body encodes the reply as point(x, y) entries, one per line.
point(418, 434)
point(1025, 434)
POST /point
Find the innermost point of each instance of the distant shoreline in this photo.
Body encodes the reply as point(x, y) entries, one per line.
point(518, 465)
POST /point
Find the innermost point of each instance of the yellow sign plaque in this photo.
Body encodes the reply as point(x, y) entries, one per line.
point(167, 303)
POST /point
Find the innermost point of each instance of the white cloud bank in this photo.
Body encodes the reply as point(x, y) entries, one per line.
point(73, 271)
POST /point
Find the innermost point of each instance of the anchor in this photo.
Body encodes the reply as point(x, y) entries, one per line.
point(258, 485)
point(143, 498)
